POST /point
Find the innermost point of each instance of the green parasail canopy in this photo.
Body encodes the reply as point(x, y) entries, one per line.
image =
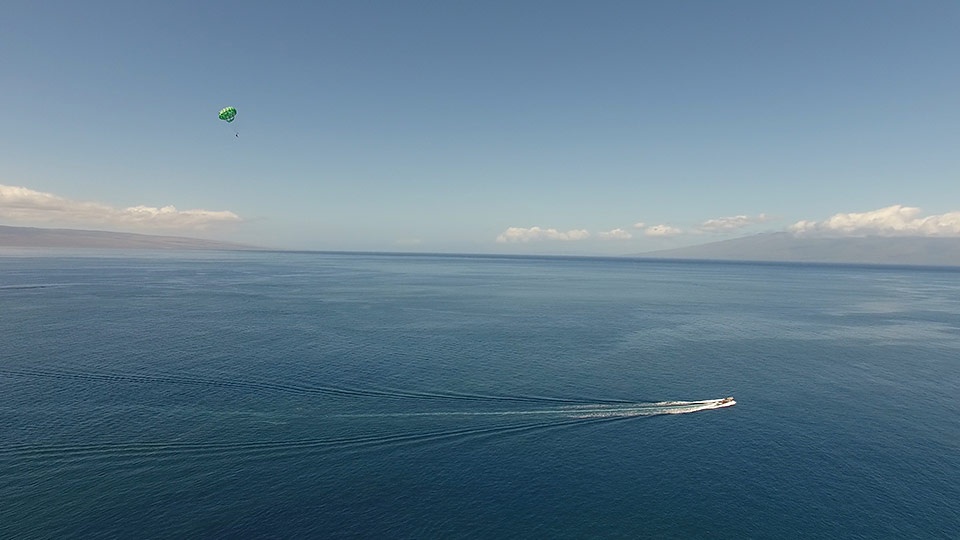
point(228, 114)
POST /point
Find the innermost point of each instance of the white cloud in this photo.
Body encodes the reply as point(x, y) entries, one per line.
point(896, 220)
point(731, 223)
point(615, 234)
point(25, 205)
point(521, 234)
point(639, 225)
point(662, 231)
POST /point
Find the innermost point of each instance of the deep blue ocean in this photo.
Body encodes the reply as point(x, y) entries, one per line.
point(299, 395)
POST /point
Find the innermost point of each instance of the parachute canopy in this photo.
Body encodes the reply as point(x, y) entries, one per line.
point(228, 114)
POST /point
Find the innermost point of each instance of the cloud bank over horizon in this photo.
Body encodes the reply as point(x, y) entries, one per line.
point(26, 206)
point(658, 231)
point(23, 206)
point(615, 234)
point(896, 220)
point(731, 223)
point(522, 234)
point(662, 231)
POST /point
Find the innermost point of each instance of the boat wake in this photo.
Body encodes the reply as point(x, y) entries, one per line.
point(600, 410)
point(654, 409)
point(317, 420)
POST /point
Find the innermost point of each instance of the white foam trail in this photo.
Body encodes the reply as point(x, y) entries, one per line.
point(654, 409)
point(581, 411)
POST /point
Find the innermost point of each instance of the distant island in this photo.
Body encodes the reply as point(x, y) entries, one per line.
point(764, 247)
point(71, 238)
point(786, 247)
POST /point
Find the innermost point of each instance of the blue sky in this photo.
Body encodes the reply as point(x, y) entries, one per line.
point(609, 127)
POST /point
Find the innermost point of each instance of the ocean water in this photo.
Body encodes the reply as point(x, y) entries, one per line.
point(294, 395)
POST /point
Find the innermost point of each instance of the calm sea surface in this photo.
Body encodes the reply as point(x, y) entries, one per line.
point(286, 395)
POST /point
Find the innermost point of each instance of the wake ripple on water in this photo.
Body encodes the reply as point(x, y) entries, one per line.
point(297, 389)
point(161, 450)
point(597, 410)
point(552, 413)
point(543, 419)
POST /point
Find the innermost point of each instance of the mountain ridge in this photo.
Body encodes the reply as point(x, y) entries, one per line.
point(11, 236)
point(785, 247)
